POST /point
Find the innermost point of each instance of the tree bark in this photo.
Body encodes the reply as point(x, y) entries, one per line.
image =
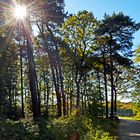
point(105, 85)
point(99, 86)
point(60, 71)
point(21, 76)
point(115, 100)
point(51, 59)
point(111, 78)
point(32, 80)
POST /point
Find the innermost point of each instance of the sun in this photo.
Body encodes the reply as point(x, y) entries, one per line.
point(20, 12)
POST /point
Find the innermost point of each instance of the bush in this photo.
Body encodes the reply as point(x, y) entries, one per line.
point(97, 135)
point(63, 128)
point(13, 131)
point(136, 109)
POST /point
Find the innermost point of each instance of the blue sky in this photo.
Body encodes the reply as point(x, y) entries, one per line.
point(99, 7)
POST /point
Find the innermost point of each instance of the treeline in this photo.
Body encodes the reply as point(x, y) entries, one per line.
point(74, 63)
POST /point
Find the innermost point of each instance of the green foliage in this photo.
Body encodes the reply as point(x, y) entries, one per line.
point(97, 135)
point(57, 129)
point(25, 130)
point(136, 109)
point(78, 32)
point(137, 55)
point(11, 130)
point(136, 99)
point(87, 128)
point(95, 109)
point(64, 127)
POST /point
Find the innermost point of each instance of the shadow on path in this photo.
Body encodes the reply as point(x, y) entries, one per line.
point(129, 130)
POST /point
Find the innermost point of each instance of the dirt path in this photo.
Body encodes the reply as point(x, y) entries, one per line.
point(129, 130)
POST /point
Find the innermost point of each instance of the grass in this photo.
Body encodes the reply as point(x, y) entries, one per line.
point(129, 118)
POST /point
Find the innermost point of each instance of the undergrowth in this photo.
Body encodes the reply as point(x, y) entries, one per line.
point(64, 128)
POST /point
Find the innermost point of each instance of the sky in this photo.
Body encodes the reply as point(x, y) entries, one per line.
point(100, 7)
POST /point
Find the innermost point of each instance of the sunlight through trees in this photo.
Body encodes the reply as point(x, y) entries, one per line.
point(58, 71)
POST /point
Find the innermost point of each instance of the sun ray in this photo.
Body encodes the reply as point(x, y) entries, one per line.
point(20, 12)
point(9, 15)
point(9, 36)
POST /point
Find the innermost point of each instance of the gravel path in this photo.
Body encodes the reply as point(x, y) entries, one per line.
point(129, 130)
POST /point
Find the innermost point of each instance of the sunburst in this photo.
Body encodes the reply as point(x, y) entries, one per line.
point(20, 12)
point(15, 12)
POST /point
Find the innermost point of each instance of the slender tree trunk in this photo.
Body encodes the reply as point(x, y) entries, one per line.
point(82, 102)
point(85, 91)
point(52, 97)
point(111, 78)
point(99, 82)
point(48, 94)
point(60, 72)
point(77, 90)
point(39, 96)
point(56, 85)
point(67, 105)
point(51, 59)
point(78, 95)
point(15, 99)
point(10, 95)
point(21, 76)
point(85, 99)
point(44, 93)
point(115, 100)
point(71, 89)
point(58, 96)
point(105, 86)
point(70, 101)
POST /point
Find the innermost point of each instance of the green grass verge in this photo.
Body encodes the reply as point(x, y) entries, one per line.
point(129, 118)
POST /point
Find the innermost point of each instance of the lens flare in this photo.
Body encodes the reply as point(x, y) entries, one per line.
point(16, 13)
point(20, 12)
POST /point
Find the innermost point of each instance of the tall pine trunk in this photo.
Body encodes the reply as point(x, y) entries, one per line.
point(32, 80)
point(60, 71)
point(111, 77)
point(21, 80)
point(105, 85)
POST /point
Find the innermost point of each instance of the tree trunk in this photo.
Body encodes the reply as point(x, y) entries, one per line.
point(21, 76)
point(78, 91)
point(70, 101)
point(67, 105)
point(51, 59)
point(47, 103)
point(105, 86)
point(32, 80)
point(58, 96)
point(115, 100)
point(60, 71)
point(99, 86)
point(78, 95)
point(111, 78)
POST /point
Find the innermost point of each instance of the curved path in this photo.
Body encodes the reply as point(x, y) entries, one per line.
point(129, 130)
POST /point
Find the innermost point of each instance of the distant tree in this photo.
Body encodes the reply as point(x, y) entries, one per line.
point(119, 30)
point(137, 54)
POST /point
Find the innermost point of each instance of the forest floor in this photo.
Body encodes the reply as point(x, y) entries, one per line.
point(129, 130)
